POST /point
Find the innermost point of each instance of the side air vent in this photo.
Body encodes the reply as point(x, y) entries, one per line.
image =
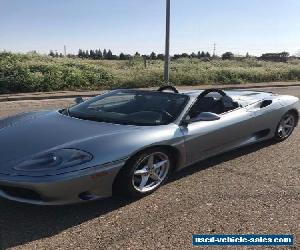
point(265, 103)
point(262, 133)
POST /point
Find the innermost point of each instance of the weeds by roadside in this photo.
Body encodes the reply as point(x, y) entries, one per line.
point(30, 73)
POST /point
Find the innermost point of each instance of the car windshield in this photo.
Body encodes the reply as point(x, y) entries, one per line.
point(132, 107)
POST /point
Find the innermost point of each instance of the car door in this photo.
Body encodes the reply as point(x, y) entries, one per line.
point(265, 115)
point(207, 138)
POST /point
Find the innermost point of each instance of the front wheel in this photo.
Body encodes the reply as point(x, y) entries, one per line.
point(285, 127)
point(144, 173)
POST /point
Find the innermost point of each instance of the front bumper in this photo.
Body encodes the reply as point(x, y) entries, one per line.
point(74, 187)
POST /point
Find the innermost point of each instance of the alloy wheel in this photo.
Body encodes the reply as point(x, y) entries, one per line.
point(150, 172)
point(286, 126)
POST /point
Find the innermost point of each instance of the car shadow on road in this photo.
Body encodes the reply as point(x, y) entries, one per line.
point(21, 223)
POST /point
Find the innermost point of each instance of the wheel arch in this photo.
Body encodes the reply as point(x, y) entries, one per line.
point(296, 113)
point(174, 152)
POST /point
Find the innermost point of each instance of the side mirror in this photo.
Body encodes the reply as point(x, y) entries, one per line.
point(78, 100)
point(204, 116)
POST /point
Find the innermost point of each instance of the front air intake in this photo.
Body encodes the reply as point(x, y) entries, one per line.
point(21, 193)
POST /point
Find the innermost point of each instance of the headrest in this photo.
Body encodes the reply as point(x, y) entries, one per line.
point(227, 102)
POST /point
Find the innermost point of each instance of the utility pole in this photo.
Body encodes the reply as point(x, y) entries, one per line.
point(65, 50)
point(167, 46)
point(214, 53)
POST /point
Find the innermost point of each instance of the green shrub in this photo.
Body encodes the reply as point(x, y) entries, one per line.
point(29, 73)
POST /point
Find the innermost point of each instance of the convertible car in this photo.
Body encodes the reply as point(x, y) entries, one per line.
point(129, 141)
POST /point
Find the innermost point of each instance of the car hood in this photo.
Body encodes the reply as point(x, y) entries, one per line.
point(25, 135)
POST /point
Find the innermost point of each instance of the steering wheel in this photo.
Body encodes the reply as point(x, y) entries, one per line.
point(166, 113)
point(168, 87)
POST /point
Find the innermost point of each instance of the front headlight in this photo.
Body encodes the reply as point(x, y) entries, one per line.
point(57, 159)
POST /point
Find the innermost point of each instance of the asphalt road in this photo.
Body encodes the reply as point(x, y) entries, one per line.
point(254, 190)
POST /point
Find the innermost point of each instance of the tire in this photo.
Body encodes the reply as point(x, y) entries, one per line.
point(285, 126)
point(140, 177)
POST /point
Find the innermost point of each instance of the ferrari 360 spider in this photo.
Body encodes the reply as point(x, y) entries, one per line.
point(129, 141)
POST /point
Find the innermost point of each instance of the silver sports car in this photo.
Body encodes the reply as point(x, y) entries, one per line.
point(130, 141)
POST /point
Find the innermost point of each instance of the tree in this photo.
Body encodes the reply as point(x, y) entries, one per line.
point(87, 54)
point(146, 56)
point(109, 55)
point(92, 54)
point(80, 53)
point(51, 53)
point(114, 57)
point(202, 54)
point(153, 56)
point(227, 56)
point(207, 55)
point(98, 54)
point(193, 55)
point(104, 54)
point(137, 54)
point(275, 57)
point(160, 57)
point(122, 56)
point(199, 55)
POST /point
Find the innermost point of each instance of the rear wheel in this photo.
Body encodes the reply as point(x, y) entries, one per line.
point(144, 173)
point(285, 127)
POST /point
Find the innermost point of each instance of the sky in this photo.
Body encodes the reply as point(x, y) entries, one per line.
point(240, 26)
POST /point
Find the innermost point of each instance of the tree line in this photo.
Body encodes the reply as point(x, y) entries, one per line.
point(99, 54)
point(272, 57)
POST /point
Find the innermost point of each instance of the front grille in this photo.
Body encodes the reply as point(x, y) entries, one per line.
point(22, 193)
